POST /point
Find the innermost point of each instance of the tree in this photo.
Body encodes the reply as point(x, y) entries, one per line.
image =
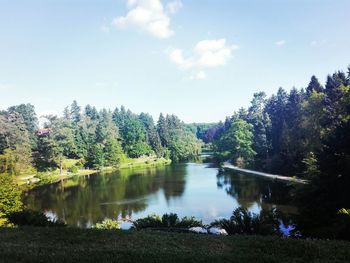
point(163, 130)
point(91, 112)
point(261, 124)
point(107, 136)
point(58, 143)
point(10, 197)
point(238, 141)
point(15, 145)
point(134, 138)
point(75, 112)
point(314, 86)
point(152, 135)
point(66, 113)
point(29, 118)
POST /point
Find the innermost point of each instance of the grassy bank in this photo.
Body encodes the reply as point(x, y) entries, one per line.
point(78, 245)
point(42, 178)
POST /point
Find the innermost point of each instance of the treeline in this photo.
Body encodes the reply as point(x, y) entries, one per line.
point(287, 132)
point(303, 133)
point(96, 138)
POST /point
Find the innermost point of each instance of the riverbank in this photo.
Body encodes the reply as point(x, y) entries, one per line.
point(78, 245)
point(49, 177)
point(229, 166)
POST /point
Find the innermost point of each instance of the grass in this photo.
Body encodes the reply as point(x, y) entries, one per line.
point(79, 245)
point(144, 162)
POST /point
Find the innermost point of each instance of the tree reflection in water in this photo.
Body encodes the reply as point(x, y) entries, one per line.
point(251, 191)
point(83, 201)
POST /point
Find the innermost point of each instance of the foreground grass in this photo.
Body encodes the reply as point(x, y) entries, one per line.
point(78, 245)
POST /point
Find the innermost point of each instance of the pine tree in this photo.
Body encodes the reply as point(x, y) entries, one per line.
point(314, 86)
point(162, 129)
point(75, 112)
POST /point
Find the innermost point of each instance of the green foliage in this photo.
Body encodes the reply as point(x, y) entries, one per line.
point(188, 222)
point(170, 220)
point(108, 224)
point(237, 140)
point(73, 169)
point(166, 221)
point(33, 218)
point(10, 196)
point(148, 222)
point(311, 166)
point(96, 156)
point(30, 120)
point(244, 222)
point(15, 145)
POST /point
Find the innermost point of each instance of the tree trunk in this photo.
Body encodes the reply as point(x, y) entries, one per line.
point(61, 167)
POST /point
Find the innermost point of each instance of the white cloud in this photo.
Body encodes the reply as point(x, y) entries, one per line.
point(212, 53)
point(176, 56)
point(206, 54)
point(147, 15)
point(174, 6)
point(280, 43)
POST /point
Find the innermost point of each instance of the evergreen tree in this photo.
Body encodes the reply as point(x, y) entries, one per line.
point(30, 120)
point(162, 128)
point(75, 112)
point(259, 119)
point(314, 86)
point(91, 112)
point(152, 135)
point(66, 113)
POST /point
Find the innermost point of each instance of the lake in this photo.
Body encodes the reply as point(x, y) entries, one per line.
point(188, 189)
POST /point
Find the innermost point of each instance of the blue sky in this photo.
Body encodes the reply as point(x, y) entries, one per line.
point(200, 60)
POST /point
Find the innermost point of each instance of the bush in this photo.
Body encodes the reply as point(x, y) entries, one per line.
point(187, 222)
point(149, 221)
point(244, 222)
point(10, 196)
point(108, 224)
point(73, 169)
point(33, 218)
point(166, 221)
point(170, 220)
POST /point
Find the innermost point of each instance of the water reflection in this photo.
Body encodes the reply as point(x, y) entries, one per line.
point(253, 192)
point(191, 189)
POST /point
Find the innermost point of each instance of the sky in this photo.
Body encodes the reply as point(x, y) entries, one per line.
point(199, 59)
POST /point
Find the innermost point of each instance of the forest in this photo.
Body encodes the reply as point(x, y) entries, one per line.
point(95, 138)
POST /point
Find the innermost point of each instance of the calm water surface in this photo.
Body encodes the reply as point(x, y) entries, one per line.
point(189, 189)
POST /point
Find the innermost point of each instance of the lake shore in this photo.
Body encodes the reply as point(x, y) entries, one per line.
point(38, 244)
point(229, 166)
point(44, 178)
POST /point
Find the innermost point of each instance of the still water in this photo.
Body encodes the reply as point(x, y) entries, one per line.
point(188, 189)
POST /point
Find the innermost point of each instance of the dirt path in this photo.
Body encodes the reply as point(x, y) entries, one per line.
point(227, 165)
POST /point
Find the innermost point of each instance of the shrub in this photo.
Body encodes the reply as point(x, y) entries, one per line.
point(33, 218)
point(188, 222)
point(108, 224)
point(244, 222)
point(10, 196)
point(170, 220)
point(149, 221)
point(166, 221)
